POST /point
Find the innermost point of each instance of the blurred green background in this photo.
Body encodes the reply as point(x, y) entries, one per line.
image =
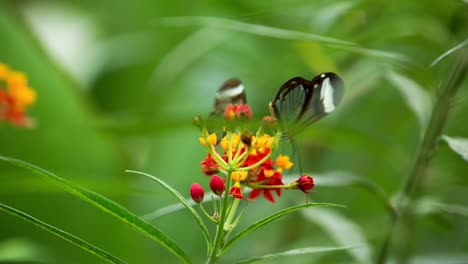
point(118, 84)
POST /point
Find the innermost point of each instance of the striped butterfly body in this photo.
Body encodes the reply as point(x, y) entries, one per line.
point(300, 102)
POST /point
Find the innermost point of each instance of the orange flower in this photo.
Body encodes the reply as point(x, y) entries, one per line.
point(15, 97)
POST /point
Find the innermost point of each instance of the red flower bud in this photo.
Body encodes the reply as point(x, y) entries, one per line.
point(305, 183)
point(217, 185)
point(197, 192)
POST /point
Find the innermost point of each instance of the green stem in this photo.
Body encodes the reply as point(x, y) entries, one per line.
point(222, 219)
point(402, 223)
point(256, 164)
point(232, 213)
point(206, 214)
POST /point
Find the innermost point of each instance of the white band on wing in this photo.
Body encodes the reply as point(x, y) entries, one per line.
point(326, 96)
point(231, 92)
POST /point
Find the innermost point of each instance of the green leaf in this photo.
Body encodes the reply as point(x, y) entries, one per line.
point(255, 29)
point(184, 54)
point(428, 205)
point(184, 202)
point(415, 96)
point(269, 219)
point(65, 235)
point(450, 51)
point(437, 258)
point(383, 54)
point(343, 230)
point(107, 206)
point(22, 250)
point(342, 178)
point(291, 253)
point(458, 145)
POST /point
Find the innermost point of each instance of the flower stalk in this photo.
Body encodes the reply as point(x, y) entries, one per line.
point(246, 161)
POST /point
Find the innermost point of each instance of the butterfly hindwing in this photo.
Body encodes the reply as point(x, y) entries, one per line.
point(289, 102)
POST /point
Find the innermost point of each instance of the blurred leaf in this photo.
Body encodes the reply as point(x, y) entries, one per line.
point(184, 202)
point(20, 250)
point(343, 230)
point(383, 54)
point(291, 253)
point(341, 178)
point(64, 235)
point(107, 206)
point(185, 53)
point(255, 29)
point(445, 258)
point(330, 14)
point(415, 96)
point(450, 51)
point(458, 145)
point(428, 205)
point(269, 219)
point(315, 56)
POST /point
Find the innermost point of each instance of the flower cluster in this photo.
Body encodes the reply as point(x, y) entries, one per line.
point(245, 160)
point(15, 97)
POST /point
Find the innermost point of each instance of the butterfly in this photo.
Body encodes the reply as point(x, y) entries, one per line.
point(300, 102)
point(231, 92)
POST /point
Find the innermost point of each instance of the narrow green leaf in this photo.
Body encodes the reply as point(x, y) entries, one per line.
point(269, 219)
point(450, 51)
point(107, 206)
point(428, 205)
point(343, 230)
point(458, 144)
point(291, 253)
point(342, 178)
point(255, 29)
point(184, 54)
point(437, 258)
point(65, 235)
point(184, 202)
point(383, 54)
point(415, 96)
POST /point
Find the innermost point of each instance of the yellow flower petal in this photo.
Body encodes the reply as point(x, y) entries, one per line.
point(224, 143)
point(239, 175)
point(202, 141)
point(4, 71)
point(213, 139)
point(283, 162)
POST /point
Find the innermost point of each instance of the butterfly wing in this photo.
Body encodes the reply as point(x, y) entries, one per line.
point(230, 92)
point(300, 102)
point(288, 104)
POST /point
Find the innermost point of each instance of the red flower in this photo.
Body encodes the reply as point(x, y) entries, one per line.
point(237, 192)
point(209, 165)
point(217, 185)
point(238, 111)
point(275, 179)
point(305, 183)
point(197, 192)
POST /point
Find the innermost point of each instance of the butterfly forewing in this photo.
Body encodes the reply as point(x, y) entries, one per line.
point(300, 102)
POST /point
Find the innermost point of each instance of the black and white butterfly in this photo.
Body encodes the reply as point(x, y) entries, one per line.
point(300, 102)
point(231, 92)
